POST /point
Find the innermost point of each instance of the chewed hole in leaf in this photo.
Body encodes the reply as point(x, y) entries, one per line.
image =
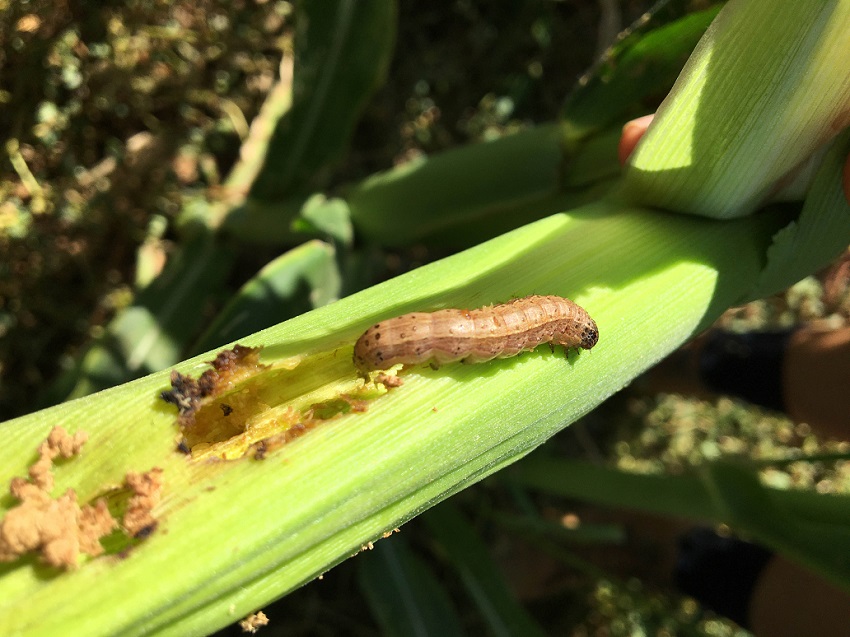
point(242, 407)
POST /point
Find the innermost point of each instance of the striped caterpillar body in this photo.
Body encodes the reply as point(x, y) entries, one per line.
point(475, 336)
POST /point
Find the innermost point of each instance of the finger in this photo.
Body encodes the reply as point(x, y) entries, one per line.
point(632, 132)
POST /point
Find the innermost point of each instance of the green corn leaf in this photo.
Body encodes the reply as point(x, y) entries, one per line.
point(811, 527)
point(328, 216)
point(640, 67)
point(343, 48)
point(765, 88)
point(503, 180)
point(819, 235)
point(748, 506)
point(245, 531)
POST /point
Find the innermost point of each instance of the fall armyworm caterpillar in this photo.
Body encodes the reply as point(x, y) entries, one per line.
point(475, 336)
